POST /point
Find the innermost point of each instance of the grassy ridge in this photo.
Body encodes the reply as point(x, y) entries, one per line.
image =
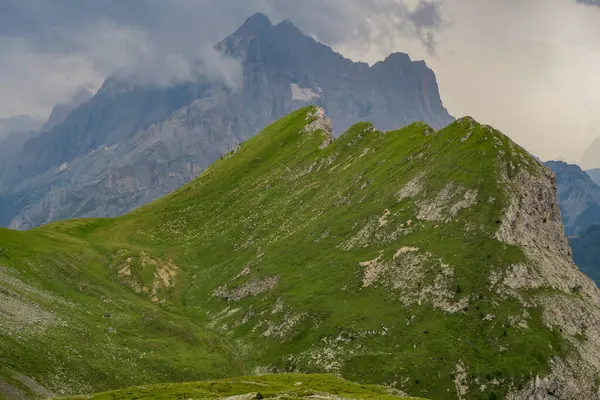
point(370, 258)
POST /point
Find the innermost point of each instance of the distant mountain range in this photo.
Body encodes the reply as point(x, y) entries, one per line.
point(22, 123)
point(13, 142)
point(579, 202)
point(130, 144)
point(586, 252)
point(578, 197)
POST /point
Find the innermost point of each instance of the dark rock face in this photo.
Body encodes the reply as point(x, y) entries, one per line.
point(131, 144)
point(578, 197)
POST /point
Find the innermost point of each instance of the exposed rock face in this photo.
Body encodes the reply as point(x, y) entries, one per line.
point(129, 144)
point(578, 197)
point(321, 122)
point(569, 300)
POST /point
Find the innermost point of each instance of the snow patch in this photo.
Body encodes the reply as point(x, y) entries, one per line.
point(303, 94)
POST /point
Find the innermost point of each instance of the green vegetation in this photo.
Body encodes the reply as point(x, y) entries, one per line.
point(288, 386)
point(371, 258)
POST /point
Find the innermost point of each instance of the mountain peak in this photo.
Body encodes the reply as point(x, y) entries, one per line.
point(397, 57)
point(236, 44)
point(288, 25)
point(467, 120)
point(257, 22)
point(395, 62)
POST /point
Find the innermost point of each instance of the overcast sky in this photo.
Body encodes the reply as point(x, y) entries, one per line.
point(528, 67)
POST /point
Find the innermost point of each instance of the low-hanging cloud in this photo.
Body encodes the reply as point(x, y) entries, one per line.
point(162, 67)
point(67, 44)
point(536, 81)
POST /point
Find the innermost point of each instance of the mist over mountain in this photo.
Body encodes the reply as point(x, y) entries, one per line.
point(591, 156)
point(62, 110)
point(133, 142)
point(18, 124)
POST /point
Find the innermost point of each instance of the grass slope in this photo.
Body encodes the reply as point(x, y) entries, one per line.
point(285, 386)
point(370, 258)
point(66, 321)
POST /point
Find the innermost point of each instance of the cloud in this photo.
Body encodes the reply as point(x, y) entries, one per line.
point(527, 67)
point(52, 47)
point(338, 21)
point(164, 68)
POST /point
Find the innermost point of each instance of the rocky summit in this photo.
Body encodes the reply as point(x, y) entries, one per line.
point(433, 263)
point(133, 143)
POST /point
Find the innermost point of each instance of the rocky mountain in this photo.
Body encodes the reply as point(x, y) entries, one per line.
point(578, 197)
point(432, 262)
point(579, 203)
point(13, 143)
point(62, 110)
point(131, 144)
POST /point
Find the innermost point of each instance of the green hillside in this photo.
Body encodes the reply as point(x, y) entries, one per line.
point(378, 256)
point(289, 386)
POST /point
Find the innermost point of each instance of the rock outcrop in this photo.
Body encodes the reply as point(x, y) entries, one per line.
point(570, 301)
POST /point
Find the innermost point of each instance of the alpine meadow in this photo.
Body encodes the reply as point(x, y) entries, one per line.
point(316, 199)
point(431, 262)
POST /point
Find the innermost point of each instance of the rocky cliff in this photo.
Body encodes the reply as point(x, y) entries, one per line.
point(129, 144)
